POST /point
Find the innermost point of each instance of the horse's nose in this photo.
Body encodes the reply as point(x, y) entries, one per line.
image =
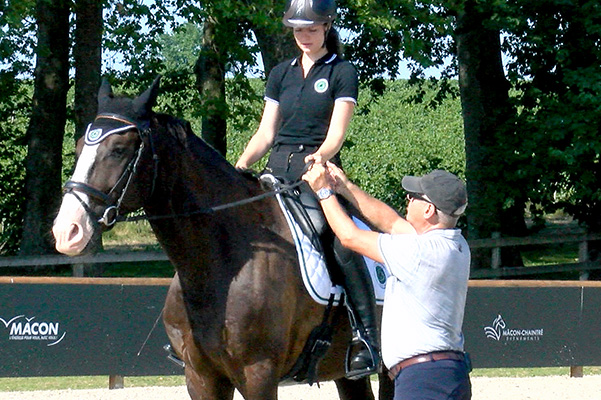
point(70, 239)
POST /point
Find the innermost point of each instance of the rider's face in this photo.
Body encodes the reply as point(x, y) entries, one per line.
point(310, 39)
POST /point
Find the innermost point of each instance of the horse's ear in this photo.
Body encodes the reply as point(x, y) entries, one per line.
point(143, 104)
point(105, 90)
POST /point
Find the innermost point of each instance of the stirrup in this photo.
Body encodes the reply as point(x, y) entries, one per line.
point(359, 340)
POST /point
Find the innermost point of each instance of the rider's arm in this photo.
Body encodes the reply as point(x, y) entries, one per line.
point(339, 121)
point(262, 140)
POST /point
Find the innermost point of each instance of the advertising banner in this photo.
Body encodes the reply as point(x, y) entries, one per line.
point(116, 329)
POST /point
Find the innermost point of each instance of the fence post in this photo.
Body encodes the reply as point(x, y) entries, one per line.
point(496, 252)
point(583, 257)
point(77, 270)
point(576, 371)
point(116, 382)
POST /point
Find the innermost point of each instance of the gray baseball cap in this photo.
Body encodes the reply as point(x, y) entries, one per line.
point(443, 189)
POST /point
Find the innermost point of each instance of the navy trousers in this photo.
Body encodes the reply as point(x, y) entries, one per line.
point(434, 380)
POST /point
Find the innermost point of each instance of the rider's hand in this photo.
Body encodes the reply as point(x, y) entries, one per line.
point(315, 158)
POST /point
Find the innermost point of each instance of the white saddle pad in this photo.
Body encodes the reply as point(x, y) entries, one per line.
point(313, 267)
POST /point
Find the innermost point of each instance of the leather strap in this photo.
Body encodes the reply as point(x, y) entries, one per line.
point(422, 358)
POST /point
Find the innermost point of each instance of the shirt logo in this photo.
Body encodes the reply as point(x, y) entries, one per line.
point(321, 85)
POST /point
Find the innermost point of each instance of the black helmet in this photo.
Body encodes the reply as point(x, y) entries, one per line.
point(301, 13)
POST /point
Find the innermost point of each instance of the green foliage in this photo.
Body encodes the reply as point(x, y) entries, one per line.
point(551, 159)
point(555, 45)
point(14, 115)
point(180, 49)
point(244, 122)
point(16, 49)
point(397, 138)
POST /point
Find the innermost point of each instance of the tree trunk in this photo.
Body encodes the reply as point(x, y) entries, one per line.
point(210, 82)
point(46, 128)
point(276, 46)
point(87, 55)
point(486, 117)
point(87, 52)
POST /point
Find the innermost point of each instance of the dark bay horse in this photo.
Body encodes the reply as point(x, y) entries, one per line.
point(237, 312)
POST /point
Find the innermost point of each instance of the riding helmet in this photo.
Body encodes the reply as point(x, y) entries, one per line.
point(301, 13)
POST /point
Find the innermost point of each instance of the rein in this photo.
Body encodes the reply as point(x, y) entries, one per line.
point(210, 210)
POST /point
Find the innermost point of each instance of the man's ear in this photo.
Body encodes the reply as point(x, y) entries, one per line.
point(430, 212)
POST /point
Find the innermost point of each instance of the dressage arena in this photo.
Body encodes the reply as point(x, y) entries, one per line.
point(538, 388)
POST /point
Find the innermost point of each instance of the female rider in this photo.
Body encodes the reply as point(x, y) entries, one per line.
point(309, 102)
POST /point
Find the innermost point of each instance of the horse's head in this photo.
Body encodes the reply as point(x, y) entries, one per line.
point(109, 156)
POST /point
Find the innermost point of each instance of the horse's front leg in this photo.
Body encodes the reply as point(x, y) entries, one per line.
point(260, 381)
point(205, 387)
point(359, 389)
point(201, 385)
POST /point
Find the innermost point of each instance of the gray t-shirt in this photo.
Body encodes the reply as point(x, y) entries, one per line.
point(425, 294)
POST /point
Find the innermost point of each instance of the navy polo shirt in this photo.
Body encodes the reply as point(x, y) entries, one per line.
point(306, 104)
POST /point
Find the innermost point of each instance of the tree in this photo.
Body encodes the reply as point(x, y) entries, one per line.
point(210, 71)
point(555, 45)
point(16, 49)
point(488, 119)
point(47, 126)
point(87, 51)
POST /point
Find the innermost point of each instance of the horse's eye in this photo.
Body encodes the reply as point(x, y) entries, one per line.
point(118, 152)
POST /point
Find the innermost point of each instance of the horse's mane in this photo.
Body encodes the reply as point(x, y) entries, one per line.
point(181, 131)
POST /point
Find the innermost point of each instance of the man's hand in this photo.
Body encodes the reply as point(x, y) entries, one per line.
point(317, 177)
point(338, 178)
point(240, 165)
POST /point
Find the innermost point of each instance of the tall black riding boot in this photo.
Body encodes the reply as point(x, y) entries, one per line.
point(363, 357)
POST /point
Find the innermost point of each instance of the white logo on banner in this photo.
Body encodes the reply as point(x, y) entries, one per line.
point(23, 328)
point(498, 331)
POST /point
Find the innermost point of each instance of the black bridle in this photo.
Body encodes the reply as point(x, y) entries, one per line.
point(112, 202)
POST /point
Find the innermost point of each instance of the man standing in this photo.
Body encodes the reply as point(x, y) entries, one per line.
point(428, 262)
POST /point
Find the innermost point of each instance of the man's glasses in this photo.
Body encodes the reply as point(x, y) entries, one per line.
point(417, 196)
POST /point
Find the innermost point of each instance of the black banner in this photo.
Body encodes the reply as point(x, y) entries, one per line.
point(72, 329)
point(90, 329)
point(533, 326)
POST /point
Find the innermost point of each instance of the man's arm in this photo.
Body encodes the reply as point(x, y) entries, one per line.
point(379, 214)
point(361, 241)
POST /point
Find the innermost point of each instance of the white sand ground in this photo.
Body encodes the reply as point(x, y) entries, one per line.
point(537, 388)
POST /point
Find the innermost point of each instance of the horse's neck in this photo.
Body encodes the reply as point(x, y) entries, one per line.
point(194, 181)
point(210, 251)
point(199, 177)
